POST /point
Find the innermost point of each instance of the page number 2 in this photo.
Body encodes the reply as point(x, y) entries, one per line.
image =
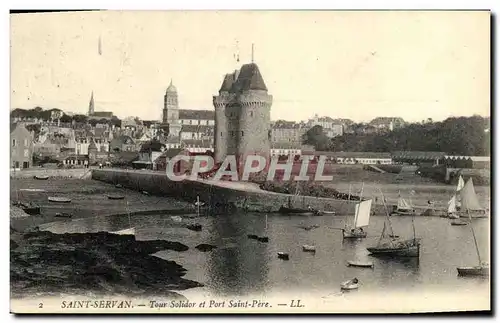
point(40, 305)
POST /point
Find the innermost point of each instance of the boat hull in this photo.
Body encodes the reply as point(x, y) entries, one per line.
point(409, 249)
point(41, 178)
point(286, 210)
point(474, 214)
point(116, 197)
point(473, 271)
point(455, 222)
point(403, 212)
point(59, 200)
point(355, 235)
point(32, 210)
point(360, 264)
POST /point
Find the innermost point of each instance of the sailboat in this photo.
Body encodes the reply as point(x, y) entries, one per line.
point(129, 231)
point(361, 219)
point(482, 269)
point(470, 205)
point(390, 245)
point(452, 208)
point(403, 207)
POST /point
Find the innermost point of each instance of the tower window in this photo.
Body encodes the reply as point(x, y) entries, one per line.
point(251, 113)
point(221, 133)
point(242, 133)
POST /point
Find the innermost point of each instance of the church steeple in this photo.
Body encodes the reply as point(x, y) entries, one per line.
point(91, 104)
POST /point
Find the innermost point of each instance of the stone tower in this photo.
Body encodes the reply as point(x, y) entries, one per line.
point(171, 111)
point(91, 104)
point(242, 115)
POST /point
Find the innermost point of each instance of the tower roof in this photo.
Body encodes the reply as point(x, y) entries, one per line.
point(171, 88)
point(227, 83)
point(249, 78)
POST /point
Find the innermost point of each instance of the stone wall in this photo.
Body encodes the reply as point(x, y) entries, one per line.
point(76, 173)
point(250, 199)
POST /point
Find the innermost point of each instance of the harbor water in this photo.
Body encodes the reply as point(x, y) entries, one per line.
point(241, 266)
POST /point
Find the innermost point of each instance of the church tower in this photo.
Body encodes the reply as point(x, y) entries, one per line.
point(171, 111)
point(91, 104)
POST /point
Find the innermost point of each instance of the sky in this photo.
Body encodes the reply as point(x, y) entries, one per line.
point(357, 65)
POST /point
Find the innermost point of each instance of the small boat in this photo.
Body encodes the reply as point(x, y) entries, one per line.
point(403, 208)
point(32, 210)
point(310, 227)
point(361, 219)
point(288, 210)
point(41, 177)
point(327, 212)
point(176, 218)
point(470, 207)
point(308, 248)
point(367, 264)
point(145, 193)
point(125, 232)
point(458, 222)
point(482, 270)
point(118, 185)
point(59, 199)
point(252, 236)
point(263, 239)
point(63, 215)
point(194, 227)
point(283, 256)
point(350, 284)
point(116, 197)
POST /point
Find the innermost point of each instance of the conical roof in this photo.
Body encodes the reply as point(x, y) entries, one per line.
point(249, 78)
point(227, 83)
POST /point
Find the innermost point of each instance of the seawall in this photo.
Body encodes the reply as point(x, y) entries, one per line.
point(240, 195)
point(75, 173)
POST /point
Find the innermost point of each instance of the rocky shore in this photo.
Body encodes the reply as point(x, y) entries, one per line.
point(99, 263)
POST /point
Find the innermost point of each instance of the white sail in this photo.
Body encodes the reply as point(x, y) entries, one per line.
point(402, 204)
point(460, 184)
point(452, 206)
point(469, 197)
point(362, 217)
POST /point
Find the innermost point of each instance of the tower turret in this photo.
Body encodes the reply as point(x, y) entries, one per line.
point(171, 110)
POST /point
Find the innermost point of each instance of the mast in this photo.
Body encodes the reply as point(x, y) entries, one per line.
point(198, 205)
point(474, 236)
point(360, 200)
point(348, 200)
point(266, 221)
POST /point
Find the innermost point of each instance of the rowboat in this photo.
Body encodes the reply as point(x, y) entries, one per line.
point(263, 239)
point(63, 215)
point(361, 264)
point(125, 232)
point(194, 227)
point(252, 236)
point(118, 185)
point(176, 218)
point(294, 211)
point(458, 222)
point(41, 177)
point(350, 284)
point(308, 248)
point(482, 270)
point(116, 197)
point(284, 256)
point(59, 199)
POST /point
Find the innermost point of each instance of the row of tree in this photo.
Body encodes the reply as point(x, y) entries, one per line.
point(54, 114)
point(467, 136)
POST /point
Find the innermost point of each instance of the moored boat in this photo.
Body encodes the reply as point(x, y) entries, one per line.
point(41, 177)
point(350, 284)
point(252, 236)
point(283, 256)
point(469, 207)
point(309, 248)
point(395, 247)
point(294, 211)
point(194, 227)
point(63, 215)
point(361, 219)
point(458, 222)
point(362, 264)
point(59, 199)
point(176, 218)
point(116, 197)
point(263, 239)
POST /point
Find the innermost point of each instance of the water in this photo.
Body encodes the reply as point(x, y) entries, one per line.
point(241, 266)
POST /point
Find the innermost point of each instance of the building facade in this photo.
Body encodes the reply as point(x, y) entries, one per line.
point(21, 147)
point(242, 115)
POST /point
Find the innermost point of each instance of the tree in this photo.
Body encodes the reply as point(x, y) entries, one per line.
point(66, 119)
point(80, 118)
point(317, 138)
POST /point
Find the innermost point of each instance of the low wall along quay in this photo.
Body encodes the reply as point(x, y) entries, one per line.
point(221, 194)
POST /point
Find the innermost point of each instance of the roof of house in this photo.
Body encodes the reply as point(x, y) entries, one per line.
point(172, 152)
point(153, 145)
point(123, 140)
point(473, 158)
point(286, 145)
point(197, 114)
point(103, 114)
point(385, 120)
